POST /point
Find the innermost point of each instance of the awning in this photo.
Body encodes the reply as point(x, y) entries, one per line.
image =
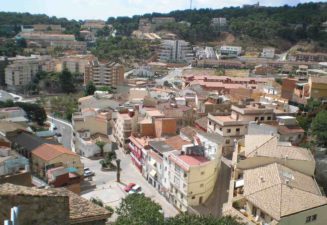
point(239, 183)
point(153, 173)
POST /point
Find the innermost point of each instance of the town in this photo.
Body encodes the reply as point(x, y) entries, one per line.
point(146, 120)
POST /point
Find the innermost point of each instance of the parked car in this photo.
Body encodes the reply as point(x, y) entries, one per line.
point(136, 189)
point(88, 172)
point(129, 187)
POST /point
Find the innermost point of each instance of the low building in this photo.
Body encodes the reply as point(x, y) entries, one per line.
point(227, 51)
point(93, 25)
point(310, 57)
point(58, 206)
point(99, 100)
point(104, 74)
point(48, 156)
point(13, 114)
point(268, 53)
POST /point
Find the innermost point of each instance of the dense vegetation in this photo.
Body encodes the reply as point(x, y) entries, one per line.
point(136, 209)
point(118, 48)
point(10, 22)
point(293, 24)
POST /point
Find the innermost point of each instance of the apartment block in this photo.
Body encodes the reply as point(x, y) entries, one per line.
point(20, 70)
point(104, 74)
point(318, 88)
point(234, 126)
point(191, 176)
point(176, 51)
point(268, 53)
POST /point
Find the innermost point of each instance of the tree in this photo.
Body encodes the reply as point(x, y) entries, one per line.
point(319, 128)
point(67, 81)
point(136, 209)
point(101, 145)
point(89, 89)
point(33, 111)
point(186, 219)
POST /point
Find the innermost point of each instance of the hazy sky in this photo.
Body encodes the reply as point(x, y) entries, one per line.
point(102, 9)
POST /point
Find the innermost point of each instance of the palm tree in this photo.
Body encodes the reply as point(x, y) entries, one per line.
point(101, 145)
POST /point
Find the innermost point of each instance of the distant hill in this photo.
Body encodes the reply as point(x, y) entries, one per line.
point(274, 26)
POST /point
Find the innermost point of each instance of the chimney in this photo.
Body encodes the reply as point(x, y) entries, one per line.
point(262, 179)
point(131, 112)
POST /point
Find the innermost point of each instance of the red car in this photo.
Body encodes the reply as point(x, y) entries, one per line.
point(129, 187)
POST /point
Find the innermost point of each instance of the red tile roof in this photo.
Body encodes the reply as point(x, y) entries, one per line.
point(193, 160)
point(48, 152)
point(176, 142)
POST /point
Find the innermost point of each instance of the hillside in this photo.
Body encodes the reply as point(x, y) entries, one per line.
point(281, 27)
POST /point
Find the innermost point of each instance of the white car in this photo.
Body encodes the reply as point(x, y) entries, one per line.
point(136, 190)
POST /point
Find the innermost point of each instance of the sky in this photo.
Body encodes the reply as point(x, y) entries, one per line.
point(102, 9)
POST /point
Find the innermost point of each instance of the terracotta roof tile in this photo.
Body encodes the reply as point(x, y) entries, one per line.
point(176, 142)
point(48, 152)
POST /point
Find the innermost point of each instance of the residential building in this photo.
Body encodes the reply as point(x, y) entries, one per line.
point(48, 156)
point(138, 151)
point(48, 28)
point(124, 122)
point(45, 39)
point(76, 63)
point(227, 51)
point(191, 176)
point(288, 129)
point(318, 88)
point(268, 53)
point(57, 206)
point(224, 84)
point(94, 25)
point(268, 179)
point(176, 51)
point(99, 100)
point(219, 22)
point(20, 70)
point(310, 57)
point(25, 142)
point(104, 74)
point(234, 126)
point(64, 177)
point(13, 114)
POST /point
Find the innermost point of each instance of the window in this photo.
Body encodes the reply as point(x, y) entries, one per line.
point(228, 130)
point(269, 118)
point(202, 173)
point(262, 118)
point(227, 142)
point(209, 122)
point(193, 197)
point(308, 219)
point(314, 217)
point(238, 129)
point(201, 185)
point(256, 119)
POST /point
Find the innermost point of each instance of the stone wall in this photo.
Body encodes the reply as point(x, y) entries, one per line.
point(36, 210)
point(99, 222)
point(23, 178)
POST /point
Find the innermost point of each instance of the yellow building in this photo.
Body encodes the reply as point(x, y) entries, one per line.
point(49, 156)
point(192, 177)
point(318, 87)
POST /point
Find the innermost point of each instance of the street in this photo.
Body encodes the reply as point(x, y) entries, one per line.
point(66, 131)
point(111, 192)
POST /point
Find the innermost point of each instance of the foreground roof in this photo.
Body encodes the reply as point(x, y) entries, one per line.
point(280, 191)
point(80, 209)
point(268, 146)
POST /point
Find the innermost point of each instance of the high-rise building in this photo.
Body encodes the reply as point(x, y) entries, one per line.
point(176, 51)
point(104, 74)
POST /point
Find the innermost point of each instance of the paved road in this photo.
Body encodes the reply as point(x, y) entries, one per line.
point(214, 205)
point(111, 192)
point(66, 131)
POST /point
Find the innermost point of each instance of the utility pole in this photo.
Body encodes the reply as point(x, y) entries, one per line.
point(190, 4)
